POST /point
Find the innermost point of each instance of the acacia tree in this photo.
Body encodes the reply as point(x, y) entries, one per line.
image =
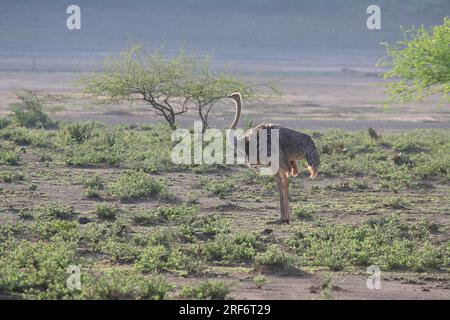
point(169, 85)
point(147, 76)
point(421, 62)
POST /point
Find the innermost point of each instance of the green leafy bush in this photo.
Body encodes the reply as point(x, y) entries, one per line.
point(275, 258)
point(207, 290)
point(229, 248)
point(10, 177)
point(106, 211)
point(9, 158)
point(79, 132)
point(135, 185)
point(65, 230)
point(163, 214)
point(125, 285)
point(28, 111)
point(390, 243)
point(38, 269)
point(156, 258)
point(56, 211)
point(122, 252)
point(420, 60)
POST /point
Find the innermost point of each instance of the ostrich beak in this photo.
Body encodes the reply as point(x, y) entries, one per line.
point(230, 96)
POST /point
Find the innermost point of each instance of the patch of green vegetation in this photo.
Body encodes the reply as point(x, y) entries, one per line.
point(79, 132)
point(147, 218)
point(133, 185)
point(219, 188)
point(92, 144)
point(45, 158)
point(188, 240)
point(36, 269)
point(122, 252)
point(229, 248)
point(106, 211)
point(92, 193)
point(171, 213)
point(163, 214)
point(125, 285)
point(326, 286)
point(390, 243)
point(9, 230)
point(94, 186)
point(304, 211)
point(207, 290)
point(427, 165)
point(32, 187)
point(9, 158)
point(166, 257)
point(259, 280)
point(26, 214)
point(95, 182)
point(396, 203)
point(350, 185)
point(356, 203)
point(40, 270)
point(202, 227)
point(359, 184)
point(29, 137)
point(161, 236)
point(252, 176)
point(4, 122)
point(55, 211)
point(59, 229)
point(93, 235)
point(156, 258)
point(28, 110)
point(424, 154)
point(275, 259)
point(11, 176)
point(198, 168)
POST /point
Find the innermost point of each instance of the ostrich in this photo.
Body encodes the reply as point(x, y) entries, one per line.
point(293, 146)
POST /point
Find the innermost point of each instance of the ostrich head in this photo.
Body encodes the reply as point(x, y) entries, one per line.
point(235, 96)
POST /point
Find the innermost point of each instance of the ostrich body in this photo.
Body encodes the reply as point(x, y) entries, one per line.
point(293, 146)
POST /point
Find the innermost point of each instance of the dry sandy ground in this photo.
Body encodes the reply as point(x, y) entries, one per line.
point(316, 100)
point(252, 216)
point(339, 100)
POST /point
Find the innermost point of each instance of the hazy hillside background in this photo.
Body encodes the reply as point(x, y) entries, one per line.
point(295, 32)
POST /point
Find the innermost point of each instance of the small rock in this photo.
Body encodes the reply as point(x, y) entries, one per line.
point(267, 231)
point(84, 220)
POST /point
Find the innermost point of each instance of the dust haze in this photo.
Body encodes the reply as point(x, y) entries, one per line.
point(261, 32)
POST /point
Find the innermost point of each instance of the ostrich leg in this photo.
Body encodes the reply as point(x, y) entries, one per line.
point(294, 168)
point(285, 185)
point(282, 186)
point(279, 182)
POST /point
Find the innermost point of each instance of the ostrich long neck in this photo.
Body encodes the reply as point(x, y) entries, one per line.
point(230, 135)
point(238, 113)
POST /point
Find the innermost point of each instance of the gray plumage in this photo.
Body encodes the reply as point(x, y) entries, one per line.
point(293, 146)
